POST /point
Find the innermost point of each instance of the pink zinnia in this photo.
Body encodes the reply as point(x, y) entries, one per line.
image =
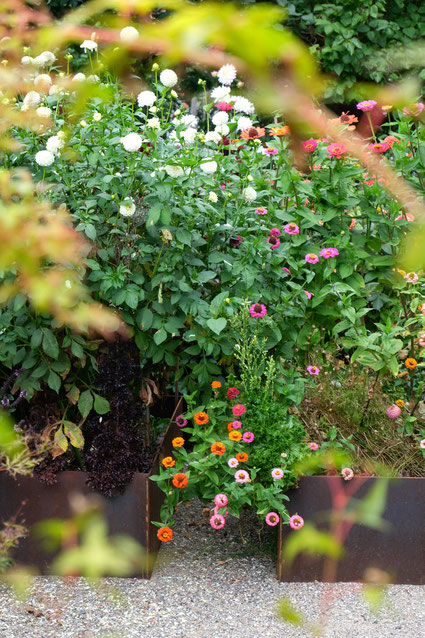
point(393, 411)
point(310, 145)
point(286, 270)
point(379, 147)
point(221, 500)
point(347, 473)
point(258, 310)
point(313, 369)
point(291, 229)
point(277, 473)
point(411, 277)
point(414, 109)
point(248, 437)
point(272, 519)
point(329, 252)
point(313, 446)
point(407, 217)
point(233, 462)
point(275, 232)
point(217, 521)
point(366, 105)
point(236, 425)
point(311, 258)
point(224, 106)
point(273, 241)
point(232, 393)
point(238, 409)
point(261, 210)
point(241, 476)
point(296, 522)
point(336, 150)
point(181, 421)
point(308, 294)
point(422, 444)
point(271, 151)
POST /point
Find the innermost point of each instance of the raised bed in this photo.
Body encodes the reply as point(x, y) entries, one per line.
point(400, 550)
point(127, 513)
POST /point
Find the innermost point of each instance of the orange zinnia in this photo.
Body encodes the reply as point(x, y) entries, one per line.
point(168, 461)
point(241, 457)
point(201, 418)
point(235, 435)
point(230, 426)
point(411, 363)
point(279, 130)
point(215, 385)
point(400, 403)
point(253, 133)
point(178, 441)
point(180, 480)
point(218, 448)
point(165, 534)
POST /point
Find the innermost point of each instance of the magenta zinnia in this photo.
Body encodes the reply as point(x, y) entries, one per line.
point(291, 229)
point(217, 521)
point(277, 473)
point(272, 519)
point(311, 258)
point(296, 522)
point(238, 409)
point(366, 105)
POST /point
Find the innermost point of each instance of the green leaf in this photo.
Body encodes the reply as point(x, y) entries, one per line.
point(60, 440)
point(85, 403)
point(74, 434)
point(217, 325)
point(184, 236)
point(54, 381)
point(50, 343)
point(145, 318)
point(77, 350)
point(160, 336)
point(153, 215)
point(101, 405)
point(287, 612)
point(312, 542)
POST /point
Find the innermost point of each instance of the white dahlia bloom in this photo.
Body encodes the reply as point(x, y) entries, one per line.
point(127, 207)
point(221, 117)
point(244, 123)
point(54, 144)
point(242, 105)
point(249, 193)
point(212, 136)
point(45, 58)
point(43, 82)
point(131, 142)
point(89, 45)
point(189, 135)
point(209, 167)
point(93, 79)
point(44, 158)
point(129, 34)
point(32, 99)
point(146, 98)
point(27, 59)
point(168, 78)
point(226, 74)
point(222, 129)
point(154, 123)
point(43, 111)
point(173, 171)
point(213, 197)
point(188, 120)
point(79, 77)
point(220, 93)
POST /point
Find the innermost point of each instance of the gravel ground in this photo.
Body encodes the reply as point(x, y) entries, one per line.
point(206, 583)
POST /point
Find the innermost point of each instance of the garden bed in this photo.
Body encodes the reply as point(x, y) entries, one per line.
point(399, 550)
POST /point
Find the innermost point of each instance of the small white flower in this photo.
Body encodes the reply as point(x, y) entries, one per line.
point(250, 178)
point(129, 34)
point(154, 123)
point(79, 77)
point(173, 94)
point(44, 158)
point(54, 144)
point(27, 59)
point(244, 123)
point(89, 45)
point(68, 283)
point(213, 197)
point(209, 167)
point(189, 135)
point(146, 98)
point(32, 99)
point(93, 79)
point(168, 78)
point(43, 111)
point(153, 109)
point(43, 82)
point(221, 117)
point(131, 142)
point(226, 74)
point(189, 120)
point(56, 89)
point(127, 207)
point(173, 171)
point(222, 129)
point(249, 193)
point(45, 58)
point(220, 93)
point(97, 116)
point(212, 136)
point(83, 123)
point(242, 105)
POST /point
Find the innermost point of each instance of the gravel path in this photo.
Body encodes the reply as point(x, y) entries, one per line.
point(206, 584)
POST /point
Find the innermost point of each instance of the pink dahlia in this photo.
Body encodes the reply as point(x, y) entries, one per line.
point(291, 229)
point(336, 150)
point(248, 437)
point(310, 145)
point(217, 521)
point(296, 522)
point(277, 473)
point(366, 105)
point(274, 242)
point(393, 411)
point(221, 500)
point(261, 210)
point(275, 232)
point(313, 370)
point(181, 421)
point(347, 473)
point(238, 409)
point(258, 310)
point(326, 253)
point(241, 476)
point(311, 258)
point(313, 446)
point(272, 519)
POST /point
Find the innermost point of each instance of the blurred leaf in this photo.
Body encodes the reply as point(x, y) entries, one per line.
point(374, 596)
point(312, 542)
point(287, 612)
point(368, 511)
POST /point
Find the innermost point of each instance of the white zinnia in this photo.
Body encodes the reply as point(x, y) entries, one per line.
point(154, 122)
point(242, 105)
point(209, 167)
point(44, 158)
point(221, 117)
point(43, 111)
point(146, 98)
point(189, 135)
point(244, 123)
point(27, 59)
point(32, 99)
point(212, 197)
point(173, 171)
point(168, 78)
point(89, 45)
point(129, 34)
point(131, 142)
point(43, 82)
point(127, 207)
point(54, 144)
point(222, 129)
point(249, 193)
point(226, 74)
point(79, 77)
point(212, 136)
point(220, 93)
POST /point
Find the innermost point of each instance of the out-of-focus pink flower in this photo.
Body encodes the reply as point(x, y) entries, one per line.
point(221, 500)
point(313, 446)
point(347, 473)
point(248, 437)
point(311, 258)
point(406, 217)
point(273, 241)
point(411, 277)
point(241, 476)
point(308, 294)
point(391, 140)
point(393, 411)
point(291, 229)
point(217, 521)
point(366, 105)
point(414, 110)
point(238, 409)
point(181, 421)
point(336, 150)
point(261, 210)
point(258, 310)
point(313, 370)
point(378, 147)
point(352, 224)
point(275, 232)
point(296, 522)
point(329, 252)
point(224, 106)
point(277, 473)
point(233, 462)
point(310, 145)
point(422, 444)
point(422, 341)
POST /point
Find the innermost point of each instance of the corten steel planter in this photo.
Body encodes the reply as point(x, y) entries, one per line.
point(400, 550)
point(130, 512)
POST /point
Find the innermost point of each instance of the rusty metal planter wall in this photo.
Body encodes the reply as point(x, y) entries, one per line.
point(399, 551)
point(127, 513)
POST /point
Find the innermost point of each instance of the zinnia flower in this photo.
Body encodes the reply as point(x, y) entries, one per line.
point(275, 232)
point(291, 229)
point(366, 105)
point(261, 210)
point(313, 370)
point(180, 480)
point(168, 78)
point(336, 150)
point(178, 441)
point(201, 418)
point(226, 74)
point(347, 473)
point(277, 473)
point(393, 411)
point(241, 476)
point(238, 409)
point(296, 522)
point(168, 461)
point(273, 241)
point(310, 145)
point(411, 363)
point(422, 444)
point(253, 133)
point(181, 421)
point(236, 425)
point(241, 457)
point(378, 147)
point(400, 403)
point(218, 448)
point(234, 435)
point(411, 277)
point(165, 534)
point(217, 521)
point(221, 500)
point(232, 393)
point(248, 437)
point(224, 106)
point(258, 310)
point(329, 252)
point(233, 462)
point(311, 258)
point(272, 519)
point(279, 131)
point(215, 385)
point(414, 110)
